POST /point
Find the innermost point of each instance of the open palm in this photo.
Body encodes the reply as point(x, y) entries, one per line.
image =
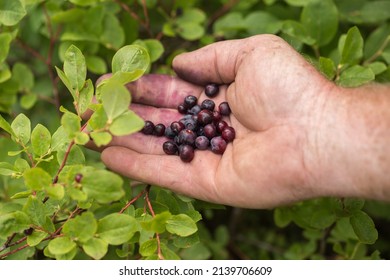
point(275, 96)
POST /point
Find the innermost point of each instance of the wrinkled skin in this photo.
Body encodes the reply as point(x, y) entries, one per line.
point(282, 108)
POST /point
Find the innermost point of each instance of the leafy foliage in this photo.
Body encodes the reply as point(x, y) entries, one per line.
point(56, 198)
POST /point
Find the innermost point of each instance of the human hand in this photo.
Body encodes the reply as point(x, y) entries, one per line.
point(277, 100)
point(297, 134)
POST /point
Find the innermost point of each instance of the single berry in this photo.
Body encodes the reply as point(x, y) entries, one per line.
point(218, 145)
point(182, 109)
point(190, 101)
point(207, 104)
point(189, 122)
point(224, 109)
point(170, 148)
point(148, 128)
point(169, 133)
point(28, 231)
point(200, 131)
point(211, 90)
point(202, 142)
point(177, 127)
point(78, 177)
point(186, 136)
point(221, 125)
point(228, 133)
point(159, 129)
point(205, 117)
point(186, 153)
point(194, 110)
point(216, 116)
point(210, 130)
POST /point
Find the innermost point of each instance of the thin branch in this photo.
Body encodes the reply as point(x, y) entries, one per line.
point(147, 199)
point(132, 201)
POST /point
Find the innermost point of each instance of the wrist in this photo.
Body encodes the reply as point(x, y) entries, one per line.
point(352, 157)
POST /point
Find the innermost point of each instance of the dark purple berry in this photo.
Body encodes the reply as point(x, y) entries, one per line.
point(194, 110)
point(200, 131)
point(78, 177)
point(170, 148)
point(216, 116)
point(28, 231)
point(182, 109)
point(210, 130)
point(221, 125)
point(186, 136)
point(205, 117)
point(159, 129)
point(211, 90)
point(190, 101)
point(186, 153)
point(207, 104)
point(177, 127)
point(202, 142)
point(224, 109)
point(218, 145)
point(228, 134)
point(148, 128)
point(189, 122)
point(169, 133)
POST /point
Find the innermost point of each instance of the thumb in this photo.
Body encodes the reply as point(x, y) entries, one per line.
point(219, 62)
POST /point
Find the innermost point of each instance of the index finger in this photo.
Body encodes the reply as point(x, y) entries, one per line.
point(162, 90)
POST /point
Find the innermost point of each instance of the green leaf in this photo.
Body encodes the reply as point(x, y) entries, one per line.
point(113, 35)
point(116, 228)
point(130, 58)
point(61, 245)
point(23, 75)
point(187, 241)
point(13, 222)
point(190, 31)
point(115, 99)
point(327, 67)
point(364, 227)
point(85, 97)
point(28, 100)
point(71, 123)
point(148, 248)
point(378, 67)
point(96, 248)
point(11, 12)
point(261, 22)
point(5, 42)
point(75, 67)
point(155, 48)
point(375, 11)
point(353, 47)
point(356, 76)
point(36, 237)
point(40, 140)
point(282, 217)
point(376, 40)
point(81, 138)
point(297, 30)
point(5, 72)
point(103, 185)
point(321, 20)
point(37, 179)
point(66, 81)
point(101, 138)
point(181, 225)
point(298, 3)
point(81, 228)
point(36, 211)
point(98, 119)
point(191, 15)
point(18, 195)
point(124, 77)
point(126, 124)
point(157, 223)
point(196, 252)
point(56, 191)
point(76, 155)
point(6, 169)
point(84, 2)
point(6, 126)
point(96, 64)
point(21, 126)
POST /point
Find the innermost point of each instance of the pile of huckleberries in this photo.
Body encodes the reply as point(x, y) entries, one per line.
point(202, 127)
